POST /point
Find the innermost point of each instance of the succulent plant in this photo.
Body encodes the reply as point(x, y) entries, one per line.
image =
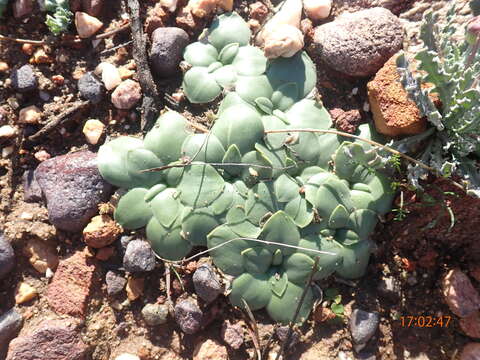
point(266, 204)
point(62, 16)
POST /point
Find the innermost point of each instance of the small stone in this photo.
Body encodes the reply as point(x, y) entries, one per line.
point(93, 130)
point(126, 95)
point(10, 324)
point(188, 316)
point(7, 257)
point(25, 293)
point(389, 288)
point(317, 9)
point(42, 155)
point(139, 257)
point(359, 43)
point(471, 351)
point(86, 25)
point(91, 88)
point(70, 288)
point(40, 57)
point(207, 283)
point(110, 75)
point(125, 73)
point(135, 287)
point(105, 253)
point(168, 44)
point(282, 333)
point(30, 115)
point(28, 49)
point(22, 8)
point(7, 131)
point(58, 80)
point(4, 67)
point(363, 326)
point(394, 112)
point(210, 350)
point(127, 356)
point(258, 11)
point(73, 188)
point(41, 254)
point(460, 295)
point(115, 283)
point(471, 325)
point(24, 79)
point(155, 314)
point(156, 17)
point(31, 190)
point(346, 121)
point(52, 340)
point(7, 151)
point(233, 334)
point(101, 231)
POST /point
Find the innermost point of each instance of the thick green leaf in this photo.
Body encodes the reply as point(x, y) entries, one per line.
point(279, 283)
point(298, 267)
point(228, 53)
point(141, 159)
point(282, 308)
point(228, 29)
point(203, 147)
point(251, 288)
point(197, 224)
point(225, 77)
point(167, 243)
point(355, 260)
point(166, 207)
point(232, 156)
point(285, 96)
point(280, 228)
point(250, 88)
point(338, 217)
point(256, 259)
point(200, 54)
point(132, 211)
point(250, 61)
point(200, 86)
point(200, 185)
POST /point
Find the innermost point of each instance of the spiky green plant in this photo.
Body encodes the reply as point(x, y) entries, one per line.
point(450, 69)
point(62, 16)
point(265, 204)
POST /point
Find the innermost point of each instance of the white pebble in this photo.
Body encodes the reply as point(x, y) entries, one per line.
point(110, 75)
point(317, 9)
point(7, 131)
point(49, 273)
point(7, 151)
point(126, 356)
point(93, 130)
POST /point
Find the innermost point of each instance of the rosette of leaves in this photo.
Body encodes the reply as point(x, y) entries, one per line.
point(220, 59)
point(61, 18)
point(450, 69)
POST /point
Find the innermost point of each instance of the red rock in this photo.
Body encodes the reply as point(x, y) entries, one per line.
point(471, 325)
point(471, 352)
point(210, 350)
point(460, 295)
point(68, 292)
point(101, 231)
point(52, 340)
point(126, 95)
point(258, 11)
point(232, 334)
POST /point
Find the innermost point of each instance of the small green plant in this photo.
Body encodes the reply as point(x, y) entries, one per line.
point(453, 68)
point(265, 204)
point(62, 16)
point(333, 296)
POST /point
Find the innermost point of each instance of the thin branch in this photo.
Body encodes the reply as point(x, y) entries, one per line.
point(254, 330)
point(22, 41)
point(286, 343)
point(166, 167)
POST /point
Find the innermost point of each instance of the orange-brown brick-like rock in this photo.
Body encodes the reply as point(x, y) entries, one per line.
point(460, 295)
point(71, 285)
point(393, 111)
point(101, 231)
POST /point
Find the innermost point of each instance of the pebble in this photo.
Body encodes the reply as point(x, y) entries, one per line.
point(363, 326)
point(101, 231)
point(7, 151)
point(135, 287)
point(10, 324)
point(7, 257)
point(4, 67)
point(282, 332)
point(30, 115)
point(232, 334)
point(359, 43)
point(31, 190)
point(138, 257)
point(24, 79)
point(471, 325)
point(111, 77)
point(210, 350)
point(24, 293)
point(86, 25)
point(155, 314)
point(73, 188)
point(41, 255)
point(115, 283)
point(389, 288)
point(471, 351)
point(188, 316)
point(127, 356)
point(168, 44)
point(207, 283)
point(71, 285)
point(317, 9)
point(7, 131)
point(42, 155)
point(126, 95)
point(460, 295)
point(52, 340)
point(91, 88)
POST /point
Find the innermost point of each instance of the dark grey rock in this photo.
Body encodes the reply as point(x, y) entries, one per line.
point(358, 44)
point(233, 334)
point(282, 333)
point(73, 188)
point(188, 316)
point(168, 44)
point(115, 283)
point(91, 88)
point(389, 288)
point(52, 340)
point(123, 243)
point(10, 324)
point(155, 314)
point(206, 282)
point(7, 256)
point(138, 257)
point(24, 79)
point(31, 188)
point(363, 326)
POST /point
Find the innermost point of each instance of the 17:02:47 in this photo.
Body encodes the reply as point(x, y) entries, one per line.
point(425, 321)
